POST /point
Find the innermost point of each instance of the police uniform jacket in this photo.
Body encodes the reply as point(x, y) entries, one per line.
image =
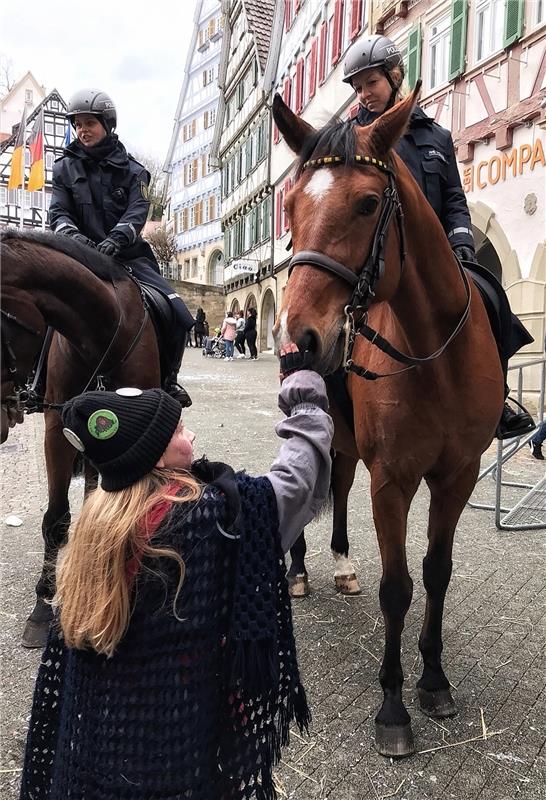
point(99, 196)
point(427, 150)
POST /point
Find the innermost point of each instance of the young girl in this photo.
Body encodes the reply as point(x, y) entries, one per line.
point(171, 671)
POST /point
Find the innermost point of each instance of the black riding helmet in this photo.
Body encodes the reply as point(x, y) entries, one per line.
point(96, 103)
point(374, 52)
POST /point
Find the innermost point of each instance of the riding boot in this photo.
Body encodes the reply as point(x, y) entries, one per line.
point(171, 385)
point(514, 423)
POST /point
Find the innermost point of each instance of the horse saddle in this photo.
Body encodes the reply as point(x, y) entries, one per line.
point(509, 332)
point(162, 316)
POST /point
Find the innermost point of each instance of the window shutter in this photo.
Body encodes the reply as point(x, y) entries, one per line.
point(299, 85)
point(353, 111)
point(206, 119)
point(212, 207)
point(286, 189)
point(279, 214)
point(185, 219)
point(313, 69)
point(287, 92)
point(338, 31)
point(322, 56)
point(513, 21)
point(414, 55)
point(458, 38)
point(287, 14)
point(356, 18)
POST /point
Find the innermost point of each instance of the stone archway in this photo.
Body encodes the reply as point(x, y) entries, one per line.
point(267, 320)
point(250, 302)
point(493, 247)
point(215, 268)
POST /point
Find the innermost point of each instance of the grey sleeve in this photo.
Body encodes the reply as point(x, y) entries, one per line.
point(300, 475)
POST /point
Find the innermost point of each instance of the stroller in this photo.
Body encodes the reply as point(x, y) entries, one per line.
point(214, 346)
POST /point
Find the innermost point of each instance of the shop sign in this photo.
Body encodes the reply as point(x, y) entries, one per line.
point(250, 267)
point(502, 165)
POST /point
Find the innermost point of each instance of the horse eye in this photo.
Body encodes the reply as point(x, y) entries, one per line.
point(367, 205)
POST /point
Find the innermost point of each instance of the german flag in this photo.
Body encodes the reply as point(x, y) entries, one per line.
point(17, 174)
point(36, 146)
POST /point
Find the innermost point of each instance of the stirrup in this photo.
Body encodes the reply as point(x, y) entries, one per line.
point(179, 393)
point(514, 424)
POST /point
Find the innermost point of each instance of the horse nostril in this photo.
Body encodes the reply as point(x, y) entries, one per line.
point(309, 341)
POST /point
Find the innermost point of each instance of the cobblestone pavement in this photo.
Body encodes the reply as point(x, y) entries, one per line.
point(494, 623)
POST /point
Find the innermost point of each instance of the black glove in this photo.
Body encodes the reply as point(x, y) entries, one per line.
point(292, 362)
point(108, 247)
point(74, 233)
point(465, 253)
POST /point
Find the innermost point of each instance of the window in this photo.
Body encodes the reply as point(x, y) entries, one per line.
point(413, 62)
point(266, 218)
point(29, 96)
point(439, 43)
point(489, 27)
point(186, 268)
point(3, 196)
point(194, 267)
point(540, 11)
point(212, 207)
point(55, 105)
point(356, 21)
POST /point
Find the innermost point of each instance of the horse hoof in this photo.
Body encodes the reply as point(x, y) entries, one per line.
point(37, 627)
point(394, 741)
point(35, 635)
point(438, 705)
point(298, 586)
point(347, 584)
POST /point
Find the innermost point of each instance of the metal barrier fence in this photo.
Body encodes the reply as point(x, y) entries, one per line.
point(530, 512)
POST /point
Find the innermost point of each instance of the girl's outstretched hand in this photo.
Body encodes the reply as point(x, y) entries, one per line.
point(292, 359)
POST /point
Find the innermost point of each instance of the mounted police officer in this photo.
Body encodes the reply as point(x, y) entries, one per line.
point(374, 67)
point(100, 198)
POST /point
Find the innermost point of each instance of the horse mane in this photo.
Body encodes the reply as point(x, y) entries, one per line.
point(100, 265)
point(337, 138)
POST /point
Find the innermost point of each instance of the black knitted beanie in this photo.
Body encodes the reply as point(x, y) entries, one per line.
point(123, 433)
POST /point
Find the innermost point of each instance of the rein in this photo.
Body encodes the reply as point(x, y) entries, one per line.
point(363, 283)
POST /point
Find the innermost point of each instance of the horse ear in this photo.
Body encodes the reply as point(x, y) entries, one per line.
point(390, 127)
point(293, 128)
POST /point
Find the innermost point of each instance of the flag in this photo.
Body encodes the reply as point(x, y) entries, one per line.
point(17, 174)
point(36, 179)
point(68, 135)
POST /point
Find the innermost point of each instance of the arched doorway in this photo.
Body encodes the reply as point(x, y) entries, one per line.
point(250, 302)
point(215, 268)
point(267, 320)
point(235, 307)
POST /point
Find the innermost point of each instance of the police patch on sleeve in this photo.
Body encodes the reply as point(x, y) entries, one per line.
point(144, 190)
point(103, 424)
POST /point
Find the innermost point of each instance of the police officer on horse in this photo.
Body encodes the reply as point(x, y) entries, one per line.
point(100, 198)
point(374, 67)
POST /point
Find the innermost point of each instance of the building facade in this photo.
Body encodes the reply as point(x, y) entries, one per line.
point(26, 92)
point(193, 209)
point(483, 67)
point(241, 150)
point(35, 204)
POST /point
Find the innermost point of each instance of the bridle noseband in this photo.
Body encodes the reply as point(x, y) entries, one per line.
point(363, 283)
point(20, 396)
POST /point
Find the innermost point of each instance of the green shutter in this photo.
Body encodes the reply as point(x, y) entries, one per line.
point(513, 21)
point(414, 56)
point(458, 38)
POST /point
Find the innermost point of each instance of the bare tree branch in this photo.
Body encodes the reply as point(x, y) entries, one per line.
point(7, 81)
point(163, 244)
point(156, 189)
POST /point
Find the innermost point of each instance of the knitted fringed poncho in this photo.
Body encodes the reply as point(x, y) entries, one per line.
point(195, 708)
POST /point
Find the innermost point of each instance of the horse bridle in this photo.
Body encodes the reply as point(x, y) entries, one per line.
point(20, 396)
point(363, 283)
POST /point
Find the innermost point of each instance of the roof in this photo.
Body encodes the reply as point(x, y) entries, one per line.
point(259, 14)
point(5, 143)
point(16, 86)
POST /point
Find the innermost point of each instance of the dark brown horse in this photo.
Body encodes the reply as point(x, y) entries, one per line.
point(104, 337)
point(375, 287)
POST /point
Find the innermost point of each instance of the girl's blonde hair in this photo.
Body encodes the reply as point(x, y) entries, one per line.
point(93, 588)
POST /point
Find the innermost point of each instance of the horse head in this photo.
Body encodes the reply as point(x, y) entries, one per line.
point(340, 223)
point(23, 330)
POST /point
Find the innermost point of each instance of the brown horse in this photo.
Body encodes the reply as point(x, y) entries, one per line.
point(104, 338)
point(370, 257)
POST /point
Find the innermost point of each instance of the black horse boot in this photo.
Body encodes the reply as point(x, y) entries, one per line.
point(171, 385)
point(514, 423)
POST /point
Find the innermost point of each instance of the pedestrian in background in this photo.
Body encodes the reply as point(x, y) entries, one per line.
point(168, 673)
point(251, 333)
point(199, 328)
point(240, 334)
point(228, 334)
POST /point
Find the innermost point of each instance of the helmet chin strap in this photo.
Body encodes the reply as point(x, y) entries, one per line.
point(394, 91)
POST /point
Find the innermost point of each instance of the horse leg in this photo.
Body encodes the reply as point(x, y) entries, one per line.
point(59, 461)
point(91, 479)
point(393, 733)
point(343, 475)
point(298, 580)
point(447, 503)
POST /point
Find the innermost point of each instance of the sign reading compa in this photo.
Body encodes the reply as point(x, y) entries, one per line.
point(500, 166)
point(250, 267)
